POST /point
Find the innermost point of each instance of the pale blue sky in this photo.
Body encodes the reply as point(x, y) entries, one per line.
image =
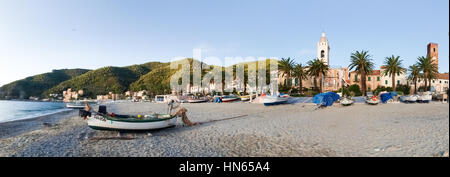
point(37, 36)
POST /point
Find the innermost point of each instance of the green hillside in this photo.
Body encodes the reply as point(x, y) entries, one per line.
point(153, 77)
point(156, 81)
point(107, 79)
point(36, 85)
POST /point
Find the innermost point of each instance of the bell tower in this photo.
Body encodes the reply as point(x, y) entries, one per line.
point(432, 52)
point(323, 49)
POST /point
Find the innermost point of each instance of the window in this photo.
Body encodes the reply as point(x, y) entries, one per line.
point(385, 82)
point(356, 77)
point(440, 82)
point(434, 49)
point(369, 79)
point(398, 82)
point(322, 54)
point(398, 74)
point(378, 78)
point(369, 89)
point(433, 81)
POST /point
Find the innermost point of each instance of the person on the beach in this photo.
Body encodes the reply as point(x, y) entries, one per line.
point(87, 108)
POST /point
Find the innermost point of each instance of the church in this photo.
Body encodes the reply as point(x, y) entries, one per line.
point(335, 79)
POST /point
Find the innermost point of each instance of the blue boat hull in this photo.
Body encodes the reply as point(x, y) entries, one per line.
point(275, 103)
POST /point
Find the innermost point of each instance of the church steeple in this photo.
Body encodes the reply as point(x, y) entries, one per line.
point(323, 49)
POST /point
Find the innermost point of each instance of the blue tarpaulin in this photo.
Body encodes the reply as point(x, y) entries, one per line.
point(325, 99)
point(393, 94)
point(386, 96)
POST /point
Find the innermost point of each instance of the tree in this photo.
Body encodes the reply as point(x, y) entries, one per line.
point(300, 73)
point(286, 66)
point(392, 67)
point(429, 70)
point(317, 69)
point(414, 75)
point(362, 63)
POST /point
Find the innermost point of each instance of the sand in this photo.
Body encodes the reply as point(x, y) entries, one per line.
point(243, 129)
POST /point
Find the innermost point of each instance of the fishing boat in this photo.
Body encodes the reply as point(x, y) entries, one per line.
point(197, 100)
point(412, 99)
point(425, 97)
point(229, 98)
point(346, 101)
point(404, 99)
point(131, 122)
point(247, 97)
point(275, 100)
point(373, 100)
point(75, 105)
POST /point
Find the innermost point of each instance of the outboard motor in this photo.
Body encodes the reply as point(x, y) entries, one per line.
point(102, 109)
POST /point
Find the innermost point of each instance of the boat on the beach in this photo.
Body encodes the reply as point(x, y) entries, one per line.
point(412, 98)
point(75, 105)
point(109, 121)
point(247, 97)
point(131, 122)
point(229, 98)
point(346, 101)
point(425, 97)
point(387, 97)
point(404, 99)
point(325, 99)
point(372, 100)
point(270, 100)
point(199, 100)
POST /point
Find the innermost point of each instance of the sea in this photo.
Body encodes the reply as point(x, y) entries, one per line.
point(18, 110)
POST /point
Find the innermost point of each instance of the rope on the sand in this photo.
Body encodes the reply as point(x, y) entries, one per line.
point(111, 138)
point(182, 113)
point(223, 119)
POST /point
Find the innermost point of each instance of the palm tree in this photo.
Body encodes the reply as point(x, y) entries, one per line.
point(300, 73)
point(414, 75)
point(363, 64)
point(393, 66)
point(317, 69)
point(286, 66)
point(429, 69)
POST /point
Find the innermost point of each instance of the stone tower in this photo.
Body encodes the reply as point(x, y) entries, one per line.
point(432, 52)
point(323, 49)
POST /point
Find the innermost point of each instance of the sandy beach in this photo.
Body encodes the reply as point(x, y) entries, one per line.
point(243, 129)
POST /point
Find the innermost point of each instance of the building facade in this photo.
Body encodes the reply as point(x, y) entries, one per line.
point(386, 80)
point(373, 80)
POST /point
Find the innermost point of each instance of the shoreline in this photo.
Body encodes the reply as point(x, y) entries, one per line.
point(16, 127)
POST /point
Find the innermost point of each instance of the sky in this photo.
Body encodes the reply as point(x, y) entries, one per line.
point(37, 36)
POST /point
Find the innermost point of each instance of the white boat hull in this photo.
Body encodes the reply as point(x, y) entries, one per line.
point(412, 99)
point(196, 101)
point(75, 106)
point(98, 122)
point(346, 102)
point(424, 99)
point(269, 101)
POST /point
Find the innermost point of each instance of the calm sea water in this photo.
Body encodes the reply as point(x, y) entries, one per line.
point(15, 110)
